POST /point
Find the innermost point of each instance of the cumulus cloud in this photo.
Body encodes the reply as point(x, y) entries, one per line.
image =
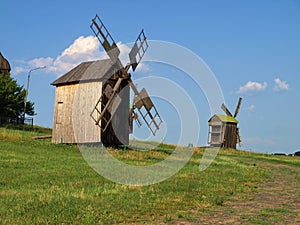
point(280, 85)
point(19, 70)
point(81, 50)
point(40, 62)
point(252, 87)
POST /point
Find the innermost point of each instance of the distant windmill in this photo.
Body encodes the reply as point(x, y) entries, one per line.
point(223, 130)
point(102, 110)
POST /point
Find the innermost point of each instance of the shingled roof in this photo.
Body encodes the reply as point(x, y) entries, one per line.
point(87, 71)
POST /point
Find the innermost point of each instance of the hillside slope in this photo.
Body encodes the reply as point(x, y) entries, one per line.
point(43, 183)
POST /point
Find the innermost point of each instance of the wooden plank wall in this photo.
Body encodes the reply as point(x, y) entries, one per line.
point(62, 123)
point(85, 99)
point(216, 132)
point(73, 105)
point(230, 136)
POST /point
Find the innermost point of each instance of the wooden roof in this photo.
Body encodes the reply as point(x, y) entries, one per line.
point(87, 71)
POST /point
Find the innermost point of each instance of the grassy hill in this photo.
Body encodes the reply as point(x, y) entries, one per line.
point(43, 183)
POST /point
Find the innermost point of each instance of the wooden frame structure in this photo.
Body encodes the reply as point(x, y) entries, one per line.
point(77, 93)
point(92, 100)
point(222, 131)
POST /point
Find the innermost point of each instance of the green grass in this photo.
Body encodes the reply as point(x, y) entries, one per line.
point(43, 183)
point(287, 160)
point(22, 133)
point(272, 214)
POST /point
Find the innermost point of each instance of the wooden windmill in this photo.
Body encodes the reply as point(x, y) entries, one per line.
point(223, 130)
point(108, 107)
point(110, 101)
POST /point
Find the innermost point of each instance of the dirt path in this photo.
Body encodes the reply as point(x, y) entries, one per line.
point(277, 201)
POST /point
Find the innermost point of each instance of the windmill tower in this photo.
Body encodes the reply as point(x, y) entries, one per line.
point(223, 131)
point(103, 115)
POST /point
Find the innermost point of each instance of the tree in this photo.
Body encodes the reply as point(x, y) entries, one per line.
point(12, 98)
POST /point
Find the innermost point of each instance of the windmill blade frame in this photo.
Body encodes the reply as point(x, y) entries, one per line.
point(111, 106)
point(105, 38)
point(238, 137)
point(138, 50)
point(142, 100)
point(226, 110)
point(237, 107)
point(147, 110)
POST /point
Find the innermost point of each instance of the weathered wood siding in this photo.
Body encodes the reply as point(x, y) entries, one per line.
point(216, 132)
point(117, 132)
point(72, 120)
point(85, 99)
point(230, 137)
point(62, 123)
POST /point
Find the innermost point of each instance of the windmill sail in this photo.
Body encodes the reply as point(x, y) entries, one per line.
point(138, 50)
point(226, 110)
point(238, 107)
point(107, 105)
point(147, 110)
point(238, 137)
point(105, 39)
point(111, 106)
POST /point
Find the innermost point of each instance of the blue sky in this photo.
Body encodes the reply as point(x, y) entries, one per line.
point(252, 47)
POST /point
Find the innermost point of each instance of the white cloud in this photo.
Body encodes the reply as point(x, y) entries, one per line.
point(81, 50)
point(124, 51)
point(37, 62)
point(280, 85)
point(19, 69)
point(252, 87)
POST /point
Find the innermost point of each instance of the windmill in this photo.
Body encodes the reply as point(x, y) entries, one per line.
point(109, 108)
point(223, 130)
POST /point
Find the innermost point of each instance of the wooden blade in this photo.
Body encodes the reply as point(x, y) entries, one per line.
point(143, 99)
point(138, 50)
point(111, 106)
point(130, 121)
point(238, 107)
point(147, 110)
point(133, 116)
point(238, 137)
point(228, 113)
point(106, 40)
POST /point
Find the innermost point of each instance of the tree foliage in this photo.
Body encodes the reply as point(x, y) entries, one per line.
point(12, 98)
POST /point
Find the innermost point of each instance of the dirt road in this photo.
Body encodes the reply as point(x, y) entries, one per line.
point(276, 201)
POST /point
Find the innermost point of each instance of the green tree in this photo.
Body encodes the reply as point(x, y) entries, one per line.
point(12, 98)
